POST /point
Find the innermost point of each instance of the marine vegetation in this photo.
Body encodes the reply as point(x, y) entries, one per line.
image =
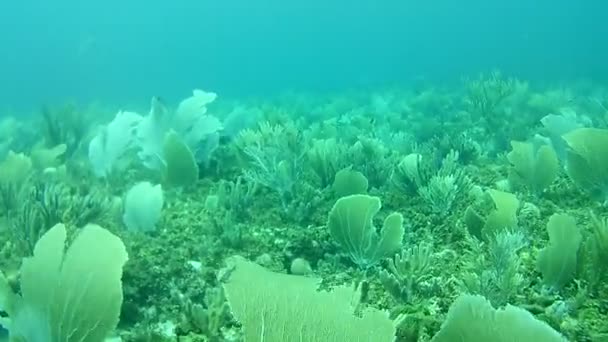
point(476, 212)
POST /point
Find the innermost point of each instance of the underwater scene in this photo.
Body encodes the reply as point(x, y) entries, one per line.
point(304, 171)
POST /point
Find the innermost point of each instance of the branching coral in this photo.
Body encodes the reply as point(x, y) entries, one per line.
point(496, 272)
point(326, 157)
point(405, 272)
point(486, 93)
point(275, 153)
point(65, 125)
point(46, 204)
point(372, 158)
point(207, 318)
point(441, 187)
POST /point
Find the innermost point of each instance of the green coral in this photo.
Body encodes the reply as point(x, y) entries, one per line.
point(534, 168)
point(473, 319)
point(349, 182)
point(411, 173)
point(486, 93)
point(558, 261)
point(72, 295)
point(65, 125)
point(503, 216)
point(587, 160)
point(406, 271)
point(15, 170)
point(596, 251)
point(275, 158)
point(373, 158)
point(207, 318)
point(496, 271)
point(325, 158)
point(181, 170)
point(351, 224)
point(440, 186)
point(280, 307)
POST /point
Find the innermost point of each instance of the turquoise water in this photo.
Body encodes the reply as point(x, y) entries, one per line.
point(125, 51)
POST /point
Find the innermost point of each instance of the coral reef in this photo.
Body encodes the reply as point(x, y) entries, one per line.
point(493, 214)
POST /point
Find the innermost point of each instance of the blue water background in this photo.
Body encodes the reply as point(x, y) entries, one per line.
point(124, 51)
